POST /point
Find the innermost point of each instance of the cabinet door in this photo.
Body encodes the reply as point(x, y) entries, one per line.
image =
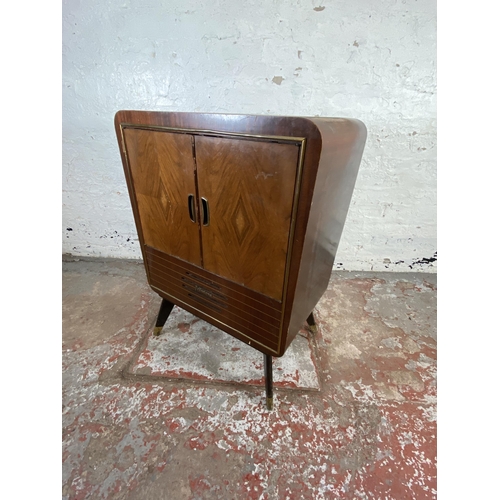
point(249, 188)
point(163, 174)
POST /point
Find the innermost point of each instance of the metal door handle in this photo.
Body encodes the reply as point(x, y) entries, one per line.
point(192, 212)
point(206, 212)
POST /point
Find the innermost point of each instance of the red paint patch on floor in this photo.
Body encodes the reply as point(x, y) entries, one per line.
point(367, 432)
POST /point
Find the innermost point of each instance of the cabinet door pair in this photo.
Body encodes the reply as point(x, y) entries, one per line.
point(223, 204)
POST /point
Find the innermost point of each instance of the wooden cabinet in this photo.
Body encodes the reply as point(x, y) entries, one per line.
point(239, 217)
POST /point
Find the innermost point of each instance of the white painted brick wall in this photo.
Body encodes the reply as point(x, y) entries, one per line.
point(375, 61)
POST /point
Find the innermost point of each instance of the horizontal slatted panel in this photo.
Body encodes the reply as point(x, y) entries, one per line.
point(244, 294)
point(235, 300)
point(251, 314)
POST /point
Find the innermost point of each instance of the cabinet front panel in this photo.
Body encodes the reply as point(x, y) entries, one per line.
point(249, 188)
point(163, 173)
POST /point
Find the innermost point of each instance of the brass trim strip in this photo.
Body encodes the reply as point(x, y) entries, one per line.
point(192, 131)
point(298, 185)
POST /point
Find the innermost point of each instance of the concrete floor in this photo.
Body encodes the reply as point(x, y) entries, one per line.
point(183, 416)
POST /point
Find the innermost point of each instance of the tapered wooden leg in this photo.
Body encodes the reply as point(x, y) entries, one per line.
point(165, 310)
point(312, 324)
point(268, 374)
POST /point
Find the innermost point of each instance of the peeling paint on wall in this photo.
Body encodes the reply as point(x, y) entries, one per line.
point(375, 62)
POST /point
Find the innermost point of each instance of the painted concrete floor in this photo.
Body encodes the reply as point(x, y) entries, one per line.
point(183, 416)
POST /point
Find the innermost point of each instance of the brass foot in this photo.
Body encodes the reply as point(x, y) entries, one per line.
point(165, 310)
point(269, 403)
point(311, 323)
point(313, 329)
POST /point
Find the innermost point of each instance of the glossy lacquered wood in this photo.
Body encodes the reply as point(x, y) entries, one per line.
point(328, 199)
point(317, 160)
point(162, 171)
point(249, 186)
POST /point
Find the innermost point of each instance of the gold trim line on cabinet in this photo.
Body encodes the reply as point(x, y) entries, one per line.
point(239, 135)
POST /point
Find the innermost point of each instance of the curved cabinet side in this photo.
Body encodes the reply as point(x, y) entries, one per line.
point(343, 142)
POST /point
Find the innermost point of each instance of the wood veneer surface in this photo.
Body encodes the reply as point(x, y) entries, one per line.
point(162, 169)
point(249, 186)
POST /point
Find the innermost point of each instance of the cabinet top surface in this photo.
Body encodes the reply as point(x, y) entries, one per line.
point(229, 115)
point(298, 126)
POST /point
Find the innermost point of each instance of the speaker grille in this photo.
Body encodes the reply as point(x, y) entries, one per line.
point(238, 309)
point(211, 297)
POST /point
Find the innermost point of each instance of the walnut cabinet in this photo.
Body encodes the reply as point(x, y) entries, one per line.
point(239, 217)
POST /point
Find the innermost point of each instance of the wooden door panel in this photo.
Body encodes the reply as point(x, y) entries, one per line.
point(163, 173)
point(249, 186)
